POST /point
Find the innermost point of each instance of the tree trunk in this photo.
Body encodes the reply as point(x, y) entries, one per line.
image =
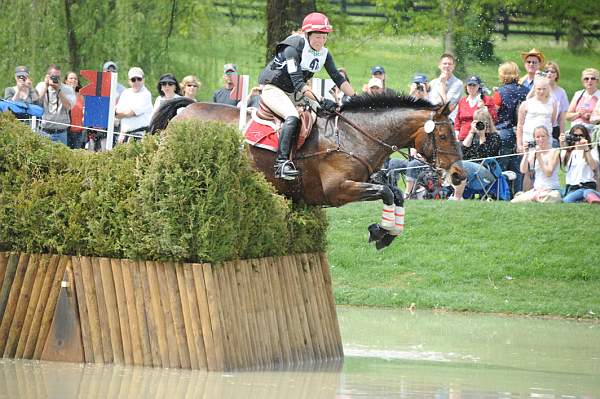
point(575, 35)
point(74, 58)
point(284, 17)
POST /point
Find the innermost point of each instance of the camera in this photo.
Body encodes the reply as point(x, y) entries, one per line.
point(531, 144)
point(23, 78)
point(479, 125)
point(420, 87)
point(54, 79)
point(571, 139)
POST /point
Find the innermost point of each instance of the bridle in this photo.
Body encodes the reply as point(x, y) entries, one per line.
point(429, 123)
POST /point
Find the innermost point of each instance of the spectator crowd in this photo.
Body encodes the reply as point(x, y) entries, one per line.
point(526, 127)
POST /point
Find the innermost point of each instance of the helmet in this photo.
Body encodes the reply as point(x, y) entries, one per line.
point(316, 22)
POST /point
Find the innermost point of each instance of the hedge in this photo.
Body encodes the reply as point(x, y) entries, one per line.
point(188, 195)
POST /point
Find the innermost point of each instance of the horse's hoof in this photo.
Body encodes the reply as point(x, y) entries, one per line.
point(376, 232)
point(384, 242)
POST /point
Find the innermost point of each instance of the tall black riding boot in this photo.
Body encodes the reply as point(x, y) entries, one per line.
point(284, 168)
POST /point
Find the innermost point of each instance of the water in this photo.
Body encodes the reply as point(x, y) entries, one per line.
point(389, 354)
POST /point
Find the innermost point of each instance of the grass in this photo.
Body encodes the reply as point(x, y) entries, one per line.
point(472, 256)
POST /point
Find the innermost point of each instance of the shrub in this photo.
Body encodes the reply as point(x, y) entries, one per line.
point(189, 195)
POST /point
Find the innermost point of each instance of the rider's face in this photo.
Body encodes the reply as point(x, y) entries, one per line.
point(317, 40)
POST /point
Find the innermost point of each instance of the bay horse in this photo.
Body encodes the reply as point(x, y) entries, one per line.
point(340, 158)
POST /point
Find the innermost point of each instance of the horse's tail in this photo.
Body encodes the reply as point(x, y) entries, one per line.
point(166, 112)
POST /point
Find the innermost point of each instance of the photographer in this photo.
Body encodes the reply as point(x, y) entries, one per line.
point(482, 141)
point(543, 160)
point(581, 163)
point(419, 87)
point(23, 91)
point(467, 106)
point(57, 99)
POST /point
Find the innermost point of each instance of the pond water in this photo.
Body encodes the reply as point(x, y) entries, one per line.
point(389, 354)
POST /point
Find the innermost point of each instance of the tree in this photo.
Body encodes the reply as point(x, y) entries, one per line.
point(284, 17)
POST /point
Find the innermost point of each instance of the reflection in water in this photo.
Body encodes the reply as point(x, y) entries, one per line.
point(389, 354)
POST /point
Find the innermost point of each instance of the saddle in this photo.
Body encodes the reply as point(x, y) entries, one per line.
point(263, 129)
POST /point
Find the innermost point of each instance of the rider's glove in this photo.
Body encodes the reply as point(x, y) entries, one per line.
point(328, 105)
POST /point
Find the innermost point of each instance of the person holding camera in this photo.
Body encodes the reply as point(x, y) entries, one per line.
point(57, 99)
point(543, 161)
point(581, 162)
point(467, 106)
point(482, 141)
point(23, 91)
point(539, 110)
point(419, 88)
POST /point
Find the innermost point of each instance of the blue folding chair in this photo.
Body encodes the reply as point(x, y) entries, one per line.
point(495, 188)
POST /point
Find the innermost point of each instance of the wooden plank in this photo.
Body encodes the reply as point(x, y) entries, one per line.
point(214, 308)
point(177, 314)
point(36, 324)
point(112, 311)
point(253, 335)
point(265, 307)
point(314, 340)
point(208, 340)
point(128, 268)
point(161, 269)
point(3, 265)
point(11, 290)
point(191, 324)
point(33, 302)
point(324, 316)
point(49, 309)
point(21, 307)
point(303, 313)
point(7, 281)
point(328, 286)
point(233, 358)
point(157, 313)
point(310, 296)
point(282, 324)
point(151, 328)
point(255, 314)
point(91, 304)
point(105, 333)
point(240, 317)
point(122, 310)
point(288, 310)
point(84, 318)
point(64, 337)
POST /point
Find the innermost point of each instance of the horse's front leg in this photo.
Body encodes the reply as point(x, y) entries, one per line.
point(392, 217)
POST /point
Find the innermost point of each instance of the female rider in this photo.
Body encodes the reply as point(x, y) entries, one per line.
point(297, 59)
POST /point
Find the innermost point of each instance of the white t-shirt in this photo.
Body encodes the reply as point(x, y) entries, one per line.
point(160, 100)
point(140, 103)
point(543, 182)
point(578, 170)
point(454, 87)
point(538, 114)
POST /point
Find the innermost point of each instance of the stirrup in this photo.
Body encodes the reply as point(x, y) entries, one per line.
point(285, 170)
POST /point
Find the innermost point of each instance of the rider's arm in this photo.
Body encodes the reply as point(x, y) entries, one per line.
point(292, 64)
point(337, 77)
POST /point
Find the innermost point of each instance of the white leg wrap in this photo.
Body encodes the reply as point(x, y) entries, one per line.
point(387, 217)
point(399, 221)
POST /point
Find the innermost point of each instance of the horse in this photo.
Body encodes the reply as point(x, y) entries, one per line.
point(341, 159)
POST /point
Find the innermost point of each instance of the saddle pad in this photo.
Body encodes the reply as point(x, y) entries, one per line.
point(265, 134)
point(261, 133)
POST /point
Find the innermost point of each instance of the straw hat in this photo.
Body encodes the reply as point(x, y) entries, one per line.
point(533, 52)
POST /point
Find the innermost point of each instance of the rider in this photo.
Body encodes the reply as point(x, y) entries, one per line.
point(296, 60)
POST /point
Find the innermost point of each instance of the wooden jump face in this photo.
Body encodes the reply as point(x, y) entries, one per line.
point(250, 314)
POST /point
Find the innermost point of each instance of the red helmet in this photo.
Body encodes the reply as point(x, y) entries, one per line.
point(316, 22)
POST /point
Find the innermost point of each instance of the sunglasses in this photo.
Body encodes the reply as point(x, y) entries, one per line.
point(167, 84)
point(136, 79)
point(532, 62)
point(190, 85)
point(589, 78)
point(549, 71)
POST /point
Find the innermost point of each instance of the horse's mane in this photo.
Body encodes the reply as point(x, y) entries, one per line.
point(390, 99)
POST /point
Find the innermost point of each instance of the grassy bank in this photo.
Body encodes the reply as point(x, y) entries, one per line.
point(472, 256)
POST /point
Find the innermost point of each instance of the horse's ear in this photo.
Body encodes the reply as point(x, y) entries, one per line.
point(445, 110)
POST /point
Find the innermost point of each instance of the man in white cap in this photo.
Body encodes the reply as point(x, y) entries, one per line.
point(221, 96)
point(375, 86)
point(134, 107)
point(23, 91)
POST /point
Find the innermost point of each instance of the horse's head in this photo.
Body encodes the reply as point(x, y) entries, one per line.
point(436, 142)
